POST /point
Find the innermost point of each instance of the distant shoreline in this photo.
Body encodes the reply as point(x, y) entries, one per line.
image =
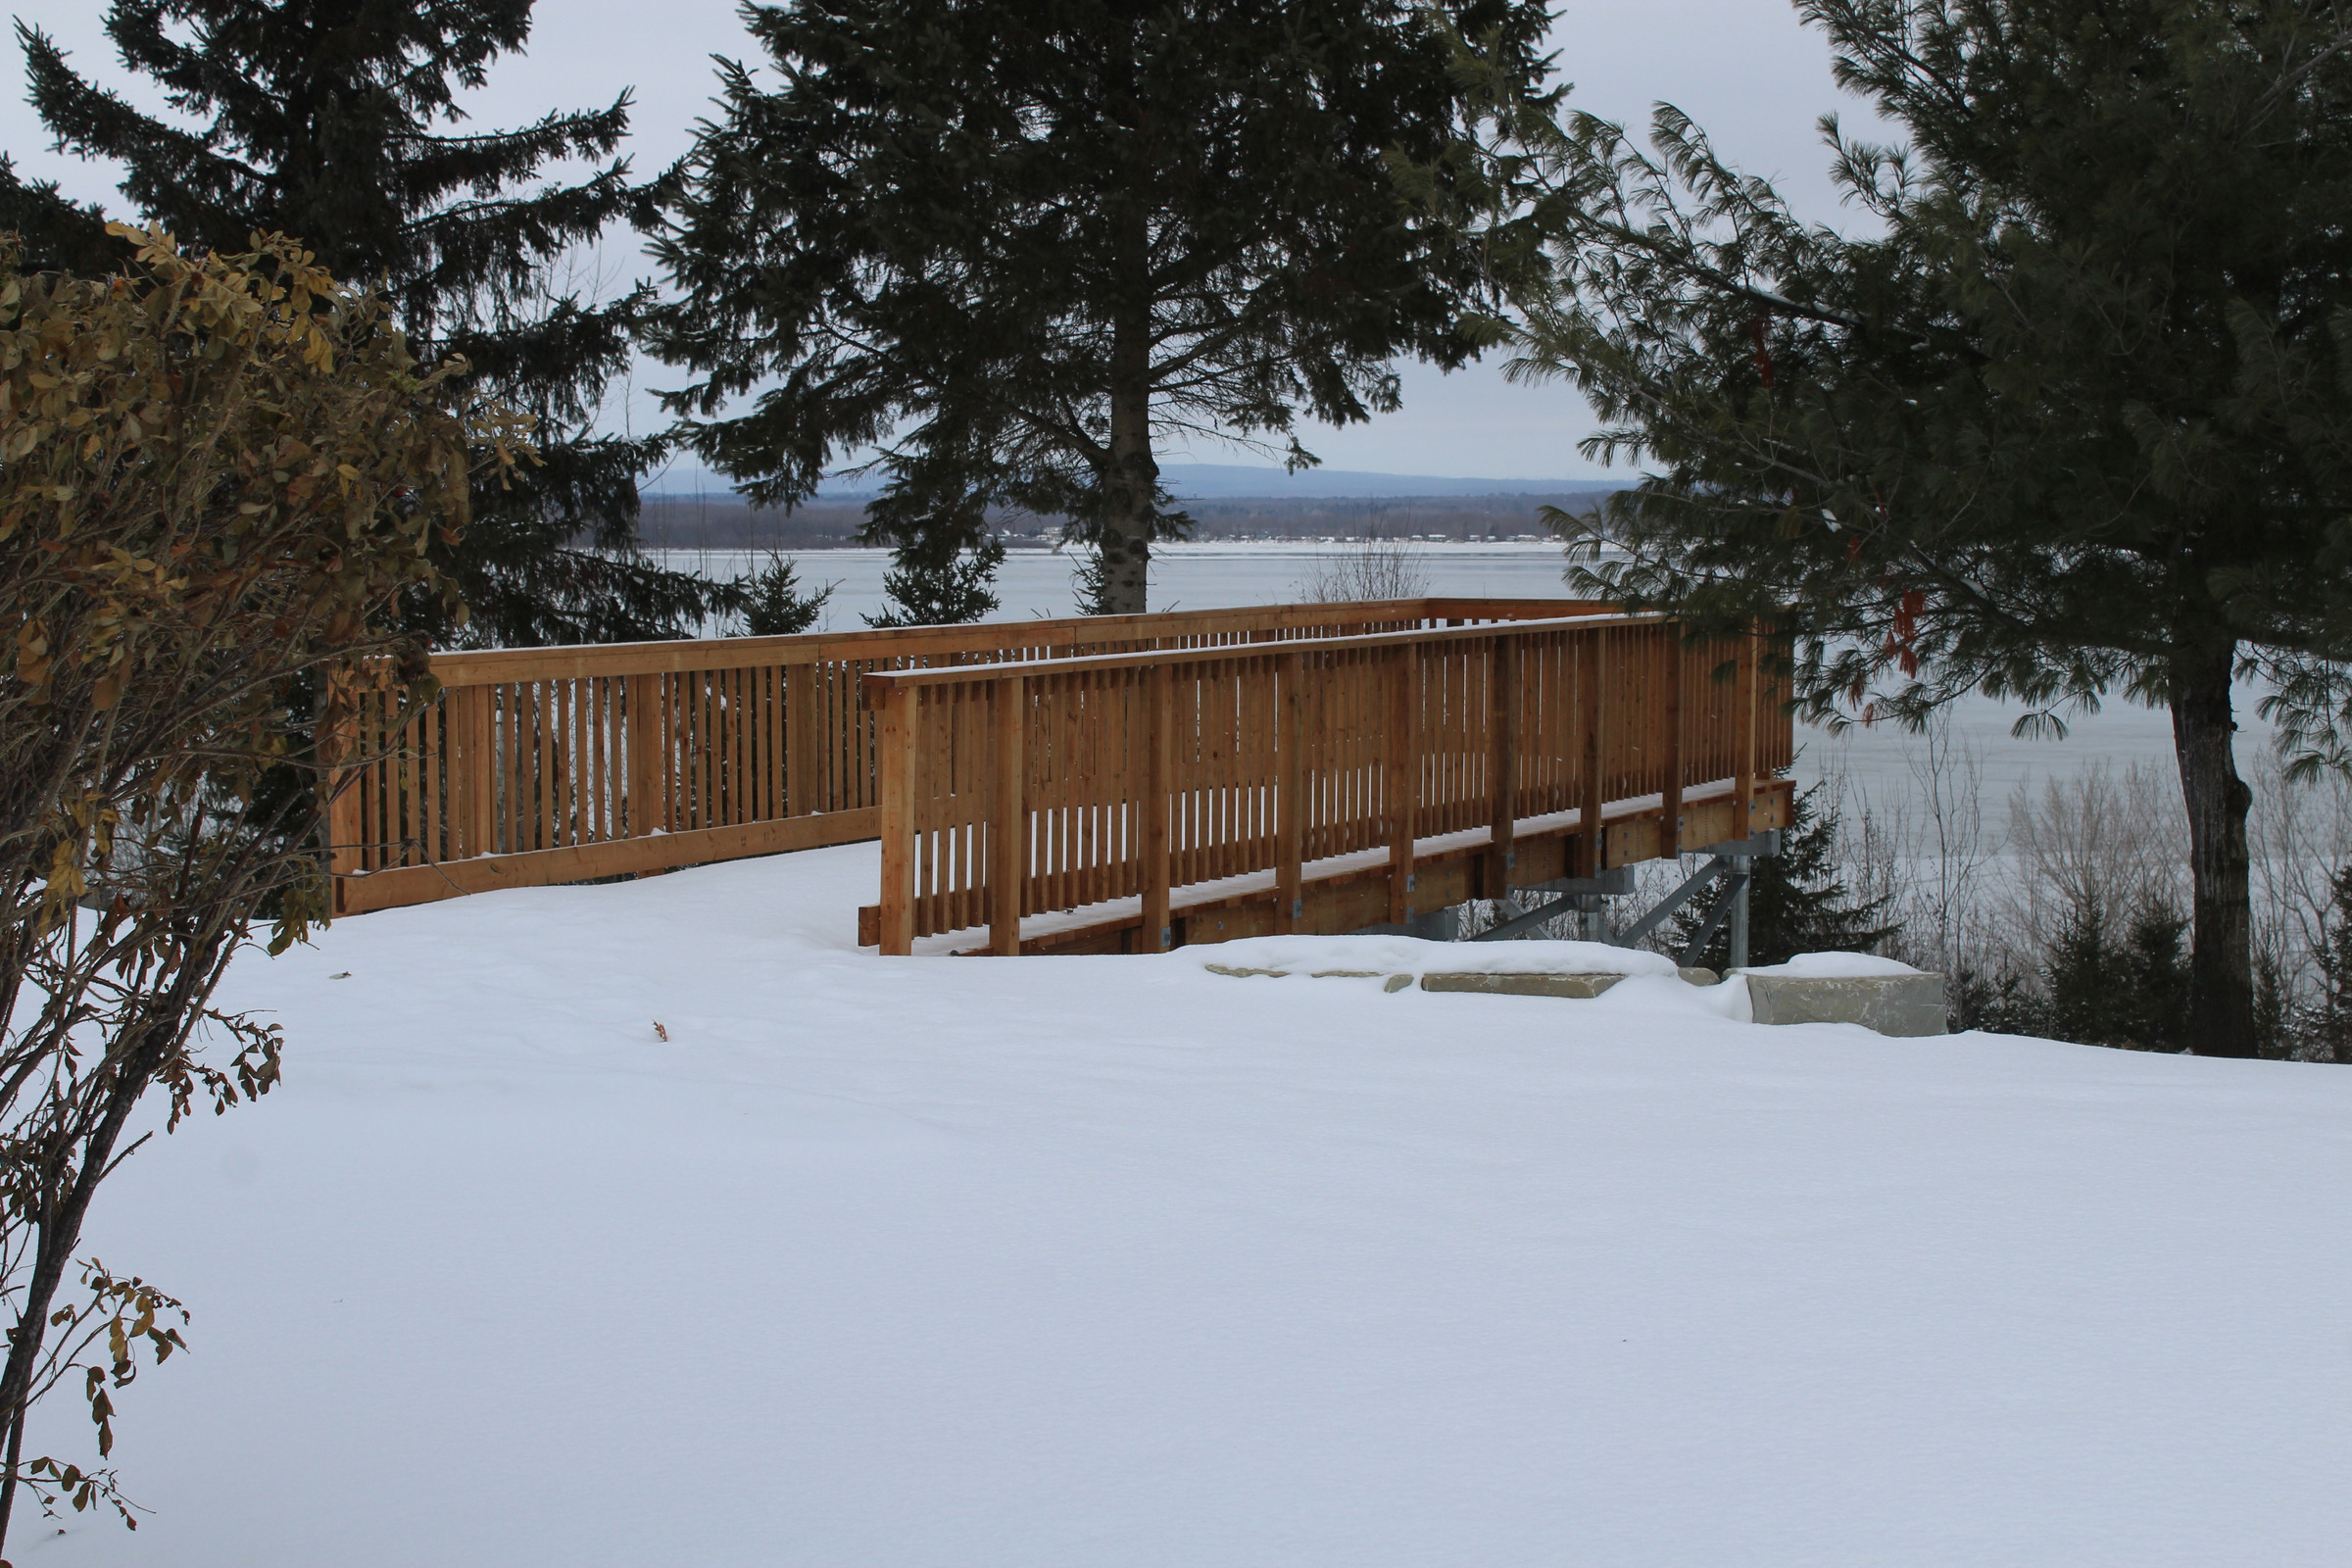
point(725, 522)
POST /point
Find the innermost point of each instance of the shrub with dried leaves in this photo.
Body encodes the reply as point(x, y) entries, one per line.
point(218, 474)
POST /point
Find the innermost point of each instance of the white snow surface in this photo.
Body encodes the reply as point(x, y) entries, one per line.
point(1307, 955)
point(1830, 966)
point(1104, 1261)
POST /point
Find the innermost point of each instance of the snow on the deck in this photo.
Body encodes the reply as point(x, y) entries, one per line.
point(1096, 1261)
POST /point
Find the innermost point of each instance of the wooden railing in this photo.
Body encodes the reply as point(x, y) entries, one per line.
point(561, 765)
point(1076, 782)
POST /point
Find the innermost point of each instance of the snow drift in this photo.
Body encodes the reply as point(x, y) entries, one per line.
point(1111, 1262)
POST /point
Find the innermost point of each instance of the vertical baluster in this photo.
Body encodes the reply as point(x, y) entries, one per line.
point(1668, 717)
point(1290, 795)
point(1158, 760)
point(563, 766)
point(894, 767)
point(1593, 711)
point(1009, 817)
point(804, 738)
point(429, 775)
point(1743, 739)
point(338, 748)
point(1503, 759)
point(1403, 778)
point(643, 699)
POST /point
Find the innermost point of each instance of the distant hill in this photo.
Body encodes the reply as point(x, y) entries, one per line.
point(1222, 481)
point(1217, 481)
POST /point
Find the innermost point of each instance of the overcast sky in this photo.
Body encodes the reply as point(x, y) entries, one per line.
point(1745, 68)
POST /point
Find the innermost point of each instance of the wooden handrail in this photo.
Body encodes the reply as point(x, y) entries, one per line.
point(954, 674)
point(541, 764)
point(489, 666)
point(1078, 781)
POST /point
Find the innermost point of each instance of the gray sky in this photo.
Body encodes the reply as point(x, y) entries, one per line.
point(1745, 68)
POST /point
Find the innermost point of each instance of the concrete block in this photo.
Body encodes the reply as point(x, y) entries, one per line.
point(1700, 977)
point(1903, 1004)
point(1578, 986)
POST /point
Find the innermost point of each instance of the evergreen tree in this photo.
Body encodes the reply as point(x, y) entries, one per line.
point(54, 235)
point(1998, 1003)
point(775, 605)
point(2067, 422)
point(1798, 901)
point(1017, 246)
point(2328, 1022)
point(335, 122)
point(939, 583)
point(2102, 990)
point(2081, 976)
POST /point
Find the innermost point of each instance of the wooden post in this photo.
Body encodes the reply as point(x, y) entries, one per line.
point(894, 767)
point(803, 739)
point(1502, 760)
point(1289, 797)
point(1743, 739)
point(1159, 758)
point(1403, 781)
point(1009, 821)
point(1668, 715)
point(1593, 701)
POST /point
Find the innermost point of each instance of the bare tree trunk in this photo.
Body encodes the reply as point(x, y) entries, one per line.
point(71, 1186)
point(1133, 476)
point(2221, 964)
point(8, 1484)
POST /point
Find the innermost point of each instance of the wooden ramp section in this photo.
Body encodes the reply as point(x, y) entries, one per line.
point(537, 766)
point(1136, 800)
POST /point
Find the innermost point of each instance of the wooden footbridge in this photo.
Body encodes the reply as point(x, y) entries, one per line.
point(1114, 783)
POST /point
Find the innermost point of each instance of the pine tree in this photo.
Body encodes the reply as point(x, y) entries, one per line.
point(54, 235)
point(337, 123)
point(2153, 1008)
point(2062, 422)
point(775, 605)
point(1018, 247)
point(931, 585)
point(2327, 1024)
point(2099, 989)
point(1798, 901)
point(2081, 976)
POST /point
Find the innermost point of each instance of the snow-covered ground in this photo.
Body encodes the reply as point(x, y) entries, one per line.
point(1111, 1262)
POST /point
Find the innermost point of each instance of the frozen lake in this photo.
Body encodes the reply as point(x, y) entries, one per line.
point(1227, 576)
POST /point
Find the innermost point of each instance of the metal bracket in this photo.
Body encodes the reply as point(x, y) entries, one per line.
point(1725, 862)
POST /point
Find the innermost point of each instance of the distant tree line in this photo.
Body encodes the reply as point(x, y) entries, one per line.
point(725, 522)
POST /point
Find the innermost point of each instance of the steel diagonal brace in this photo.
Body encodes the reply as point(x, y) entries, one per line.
point(1722, 864)
point(1722, 906)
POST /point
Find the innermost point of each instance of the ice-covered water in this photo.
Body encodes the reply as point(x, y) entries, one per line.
point(1226, 575)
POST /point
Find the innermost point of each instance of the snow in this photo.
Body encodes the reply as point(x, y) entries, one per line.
point(1096, 1261)
point(1830, 966)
